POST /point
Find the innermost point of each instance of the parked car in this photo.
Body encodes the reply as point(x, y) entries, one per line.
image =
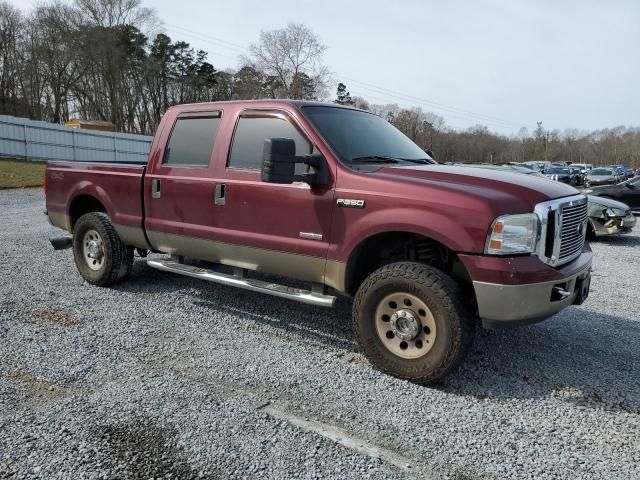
point(627, 192)
point(425, 249)
point(537, 165)
point(578, 175)
point(563, 175)
point(585, 168)
point(530, 165)
point(622, 171)
point(602, 176)
point(608, 217)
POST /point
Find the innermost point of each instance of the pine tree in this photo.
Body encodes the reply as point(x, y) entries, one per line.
point(343, 97)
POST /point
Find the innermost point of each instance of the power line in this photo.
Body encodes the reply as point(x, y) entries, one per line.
point(429, 102)
point(223, 43)
point(215, 53)
point(445, 111)
point(448, 110)
point(449, 115)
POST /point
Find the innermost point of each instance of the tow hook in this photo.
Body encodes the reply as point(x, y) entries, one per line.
point(61, 243)
point(562, 293)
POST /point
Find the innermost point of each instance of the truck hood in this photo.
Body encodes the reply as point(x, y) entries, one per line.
point(512, 190)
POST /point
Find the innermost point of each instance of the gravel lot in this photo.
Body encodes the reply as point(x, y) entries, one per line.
point(168, 377)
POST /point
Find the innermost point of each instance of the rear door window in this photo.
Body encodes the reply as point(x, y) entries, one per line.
point(192, 140)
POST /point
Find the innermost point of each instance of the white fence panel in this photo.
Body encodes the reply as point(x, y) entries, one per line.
point(34, 140)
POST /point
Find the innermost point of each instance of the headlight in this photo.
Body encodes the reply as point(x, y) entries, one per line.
point(513, 234)
point(614, 212)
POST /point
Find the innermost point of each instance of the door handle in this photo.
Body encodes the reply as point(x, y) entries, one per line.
point(220, 194)
point(155, 188)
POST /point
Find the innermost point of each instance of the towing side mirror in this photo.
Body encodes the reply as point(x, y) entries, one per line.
point(279, 164)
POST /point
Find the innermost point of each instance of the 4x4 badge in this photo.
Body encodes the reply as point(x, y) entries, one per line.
point(350, 203)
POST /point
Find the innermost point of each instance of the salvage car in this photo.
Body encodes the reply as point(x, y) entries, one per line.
point(580, 177)
point(585, 168)
point(621, 170)
point(608, 217)
point(602, 176)
point(339, 202)
point(627, 192)
point(562, 174)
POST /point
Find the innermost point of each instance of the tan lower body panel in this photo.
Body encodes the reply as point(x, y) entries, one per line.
point(60, 220)
point(312, 269)
point(130, 235)
point(302, 267)
point(335, 275)
point(133, 236)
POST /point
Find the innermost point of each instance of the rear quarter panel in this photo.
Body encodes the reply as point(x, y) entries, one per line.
point(116, 187)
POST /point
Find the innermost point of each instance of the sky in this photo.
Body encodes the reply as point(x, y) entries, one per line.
point(504, 64)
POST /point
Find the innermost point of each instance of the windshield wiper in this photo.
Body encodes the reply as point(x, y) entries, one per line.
point(374, 159)
point(421, 161)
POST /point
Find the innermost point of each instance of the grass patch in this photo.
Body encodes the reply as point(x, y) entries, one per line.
point(21, 174)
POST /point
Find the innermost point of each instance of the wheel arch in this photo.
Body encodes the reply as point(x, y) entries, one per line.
point(384, 247)
point(84, 203)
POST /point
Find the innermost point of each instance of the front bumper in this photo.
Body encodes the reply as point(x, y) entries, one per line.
point(506, 305)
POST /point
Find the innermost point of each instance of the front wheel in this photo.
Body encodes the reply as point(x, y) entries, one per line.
point(101, 257)
point(411, 322)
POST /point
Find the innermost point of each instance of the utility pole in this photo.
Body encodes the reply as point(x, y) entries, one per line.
point(546, 147)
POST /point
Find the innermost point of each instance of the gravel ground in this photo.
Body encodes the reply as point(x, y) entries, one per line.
point(168, 377)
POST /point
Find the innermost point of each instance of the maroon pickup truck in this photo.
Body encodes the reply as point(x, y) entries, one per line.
point(339, 199)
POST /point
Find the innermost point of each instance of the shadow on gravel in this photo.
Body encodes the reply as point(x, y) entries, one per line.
point(588, 359)
point(581, 356)
point(329, 326)
point(625, 240)
point(143, 450)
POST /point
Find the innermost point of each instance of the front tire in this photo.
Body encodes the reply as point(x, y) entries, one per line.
point(100, 256)
point(411, 322)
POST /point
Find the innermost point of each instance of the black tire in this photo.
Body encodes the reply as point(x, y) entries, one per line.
point(116, 259)
point(591, 232)
point(454, 321)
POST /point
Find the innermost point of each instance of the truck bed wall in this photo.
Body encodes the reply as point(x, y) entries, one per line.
point(117, 187)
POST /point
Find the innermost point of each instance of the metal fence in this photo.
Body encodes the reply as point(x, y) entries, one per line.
point(34, 140)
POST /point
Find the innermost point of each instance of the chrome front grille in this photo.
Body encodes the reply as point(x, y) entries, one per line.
point(572, 231)
point(563, 229)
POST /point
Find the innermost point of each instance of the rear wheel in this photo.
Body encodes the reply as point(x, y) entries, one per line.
point(411, 322)
point(100, 256)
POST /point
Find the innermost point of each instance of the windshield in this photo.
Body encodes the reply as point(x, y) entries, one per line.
point(353, 134)
point(601, 171)
point(558, 170)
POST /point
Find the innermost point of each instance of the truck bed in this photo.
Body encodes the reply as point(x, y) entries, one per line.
point(71, 186)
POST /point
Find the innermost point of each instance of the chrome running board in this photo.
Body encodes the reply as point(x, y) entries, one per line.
point(282, 291)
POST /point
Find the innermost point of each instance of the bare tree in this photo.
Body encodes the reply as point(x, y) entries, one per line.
point(11, 23)
point(109, 13)
point(290, 56)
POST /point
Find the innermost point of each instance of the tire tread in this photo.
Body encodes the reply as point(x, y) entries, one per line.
point(120, 262)
point(444, 287)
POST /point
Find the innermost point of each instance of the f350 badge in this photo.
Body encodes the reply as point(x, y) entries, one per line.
point(350, 203)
